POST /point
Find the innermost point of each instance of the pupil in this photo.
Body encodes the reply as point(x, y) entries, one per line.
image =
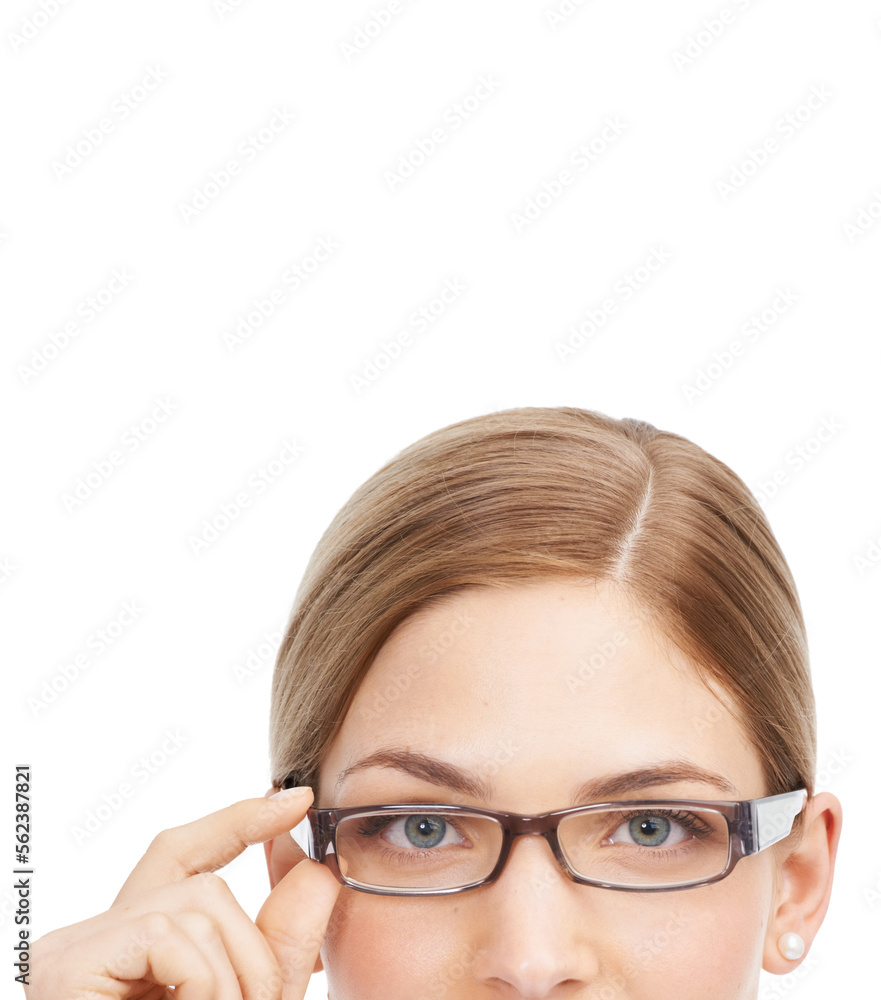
point(425, 831)
point(649, 832)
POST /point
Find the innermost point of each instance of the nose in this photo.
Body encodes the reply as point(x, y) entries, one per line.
point(540, 844)
point(534, 936)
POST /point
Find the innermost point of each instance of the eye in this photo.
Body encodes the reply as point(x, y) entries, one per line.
point(421, 831)
point(650, 829)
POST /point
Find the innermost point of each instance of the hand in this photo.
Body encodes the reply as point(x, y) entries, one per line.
point(176, 923)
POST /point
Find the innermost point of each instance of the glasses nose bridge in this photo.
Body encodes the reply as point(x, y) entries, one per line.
point(544, 825)
point(524, 825)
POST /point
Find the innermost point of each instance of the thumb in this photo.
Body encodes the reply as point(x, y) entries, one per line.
point(293, 920)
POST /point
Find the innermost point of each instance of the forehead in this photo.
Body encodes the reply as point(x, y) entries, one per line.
point(536, 688)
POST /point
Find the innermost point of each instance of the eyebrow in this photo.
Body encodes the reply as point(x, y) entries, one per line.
point(604, 789)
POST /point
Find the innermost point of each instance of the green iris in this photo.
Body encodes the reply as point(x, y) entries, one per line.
point(425, 831)
point(649, 831)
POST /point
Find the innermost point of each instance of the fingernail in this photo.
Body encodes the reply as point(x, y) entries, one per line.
point(291, 793)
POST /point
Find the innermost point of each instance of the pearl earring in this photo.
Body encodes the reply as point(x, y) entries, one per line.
point(791, 946)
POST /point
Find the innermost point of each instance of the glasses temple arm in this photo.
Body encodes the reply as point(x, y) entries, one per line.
point(772, 817)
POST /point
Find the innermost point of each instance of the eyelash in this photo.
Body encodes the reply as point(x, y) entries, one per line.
point(691, 822)
point(372, 825)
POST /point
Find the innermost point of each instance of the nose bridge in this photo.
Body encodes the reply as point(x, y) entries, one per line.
point(543, 825)
point(540, 824)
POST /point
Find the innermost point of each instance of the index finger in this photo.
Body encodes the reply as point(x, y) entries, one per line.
point(210, 843)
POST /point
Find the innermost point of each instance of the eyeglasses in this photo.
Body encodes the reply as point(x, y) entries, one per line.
point(643, 845)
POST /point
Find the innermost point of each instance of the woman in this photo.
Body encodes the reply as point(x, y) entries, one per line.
point(537, 611)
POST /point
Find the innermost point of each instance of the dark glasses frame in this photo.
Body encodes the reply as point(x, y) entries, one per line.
point(753, 825)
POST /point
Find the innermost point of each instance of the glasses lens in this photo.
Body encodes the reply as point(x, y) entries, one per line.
point(424, 851)
point(647, 846)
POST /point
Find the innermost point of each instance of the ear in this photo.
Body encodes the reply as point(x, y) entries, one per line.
point(805, 882)
point(282, 853)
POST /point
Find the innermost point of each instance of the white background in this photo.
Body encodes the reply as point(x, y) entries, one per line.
point(219, 77)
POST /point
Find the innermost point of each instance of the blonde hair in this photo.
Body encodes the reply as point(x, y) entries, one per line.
point(535, 492)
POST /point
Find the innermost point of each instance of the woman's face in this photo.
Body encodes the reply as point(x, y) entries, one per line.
point(533, 691)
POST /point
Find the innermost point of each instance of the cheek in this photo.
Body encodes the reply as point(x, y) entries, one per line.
point(699, 943)
point(706, 942)
point(383, 948)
